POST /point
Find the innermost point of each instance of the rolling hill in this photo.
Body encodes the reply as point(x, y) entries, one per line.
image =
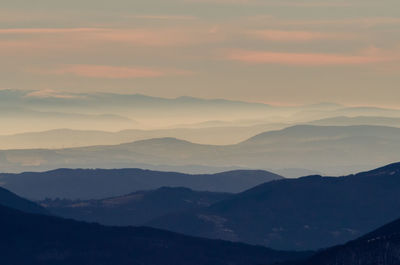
point(135, 208)
point(12, 200)
point(381, 246)
point(332, 150)
point(101, 183)
point(32, 239)
point(307, 213)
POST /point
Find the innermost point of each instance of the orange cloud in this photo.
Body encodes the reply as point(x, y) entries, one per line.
point(111, 72)
point(307, 59)
point(281, 35)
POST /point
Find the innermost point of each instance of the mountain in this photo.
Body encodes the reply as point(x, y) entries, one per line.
point(147, 112)
point(307, 213)
point(212, 132)
point(381, 246)
point(332, 150)
point(22, 119)
point(43, 240)
point(135, 208)
point(12, 200)
point(150, 112)
point(359, 120)
point(66, 138)
point(101, 183)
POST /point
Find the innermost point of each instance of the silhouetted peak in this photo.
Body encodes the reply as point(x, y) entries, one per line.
point(312, 177)
point(389, 170)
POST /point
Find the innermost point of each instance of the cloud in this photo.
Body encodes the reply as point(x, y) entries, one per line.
point(300, 36)
point(309, 59)
point(279, 3)
point(10, 31)
point(165, 17)
point(111, 72)
point(65, 39)
point(362, 22)
point(51, 93)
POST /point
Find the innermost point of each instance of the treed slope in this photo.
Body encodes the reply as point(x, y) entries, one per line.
point(28, 239)
point(102, 183)
point(381, 246)
point(135, 208)
point(11, 200)
point(306, 213)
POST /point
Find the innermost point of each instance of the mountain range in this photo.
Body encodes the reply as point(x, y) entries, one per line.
point(40, 240)
point(136, 208)
point(33, 238)
point(212, 132)
point(332, 150)
point(33, 111)
point(101, 183)
point(378, 247)
point(307, 213)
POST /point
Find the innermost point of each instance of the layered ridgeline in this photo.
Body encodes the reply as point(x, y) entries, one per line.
point(35, 239)
point(12, 200)
point(102, 183)
point(381, 246)
point(135, 208)
point(31, 111)
point(26, 111)
point(211, 132)
point(306, 213)
point(328, 149)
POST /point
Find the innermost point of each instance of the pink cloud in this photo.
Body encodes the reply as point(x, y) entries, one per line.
point(282, 35)
point(64, 39)
point(165, 17)
point(294, 3)
point(47, 30)
point(111, 72)
point(362, 22)
point(307, 59)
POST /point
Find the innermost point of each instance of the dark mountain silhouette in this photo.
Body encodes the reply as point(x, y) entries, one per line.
point(30, 239)
point(332, 150)
point(101, 183)
point(12, 200)
point(381, 246)
point(135, 208)
point(307, 213)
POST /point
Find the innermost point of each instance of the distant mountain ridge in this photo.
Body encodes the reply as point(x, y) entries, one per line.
point(307, 213)
point(211, 132)
point(137, 111)
point(103, 183)
point(332, 150)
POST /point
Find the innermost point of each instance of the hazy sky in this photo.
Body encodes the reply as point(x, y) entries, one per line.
point(272, 51)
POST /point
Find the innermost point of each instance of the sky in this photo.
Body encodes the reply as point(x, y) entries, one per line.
point(285, 52)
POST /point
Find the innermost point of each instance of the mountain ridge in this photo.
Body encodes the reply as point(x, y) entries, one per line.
point(102, 183)
point(298, 213)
